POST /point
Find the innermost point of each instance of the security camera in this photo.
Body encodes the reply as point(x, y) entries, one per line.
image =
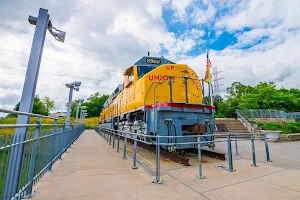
point(77, 83)
point(76, 88)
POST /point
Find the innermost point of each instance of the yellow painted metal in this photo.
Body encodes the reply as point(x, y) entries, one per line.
point(132, 96)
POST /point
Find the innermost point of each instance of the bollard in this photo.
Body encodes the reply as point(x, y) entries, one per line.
point(113, 142)
point(157, 179)
point(230, 166)
point(253, 152)
point(267, 148)
point(124, 149)
point(34, 149)
point(200, 176)
point(134, 152)
point(236, 146)
point(118, 144)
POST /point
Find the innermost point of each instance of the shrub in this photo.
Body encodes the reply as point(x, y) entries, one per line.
point(219, 115)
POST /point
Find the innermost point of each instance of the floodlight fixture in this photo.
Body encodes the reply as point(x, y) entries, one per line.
point(57, 34)
point(76, 89)
point(77, 83)
point(79, 100)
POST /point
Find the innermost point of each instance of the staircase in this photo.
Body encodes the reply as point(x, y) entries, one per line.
point(231, 124)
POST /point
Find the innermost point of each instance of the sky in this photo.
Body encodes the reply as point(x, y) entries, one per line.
point(249, 41)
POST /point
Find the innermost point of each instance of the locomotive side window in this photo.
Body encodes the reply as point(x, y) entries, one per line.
point(130, 76)
point(142, 70)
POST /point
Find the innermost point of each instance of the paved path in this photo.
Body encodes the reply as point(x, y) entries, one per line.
point(91, 170)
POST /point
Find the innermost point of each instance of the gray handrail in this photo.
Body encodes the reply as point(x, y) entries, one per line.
point(25, 113)
point(244, 121)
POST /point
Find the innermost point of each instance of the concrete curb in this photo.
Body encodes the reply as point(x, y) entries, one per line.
point(289, 137)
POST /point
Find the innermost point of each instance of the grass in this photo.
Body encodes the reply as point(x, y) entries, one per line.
point(89, 122)
point(284, 127)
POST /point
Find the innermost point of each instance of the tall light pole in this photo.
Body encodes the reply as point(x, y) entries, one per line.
point(42, 23)
point(79, 101)
point(81, 112)
point(73, 86)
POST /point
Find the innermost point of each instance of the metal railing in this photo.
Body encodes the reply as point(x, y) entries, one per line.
point(262, 113)
point(245, 121)
point(44, 144)
point(111, 135)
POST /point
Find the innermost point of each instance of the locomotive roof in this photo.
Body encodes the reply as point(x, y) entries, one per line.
point(144, 61)
point(153, 61)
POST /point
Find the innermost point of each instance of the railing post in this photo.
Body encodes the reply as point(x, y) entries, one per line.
point(236, 146)
point(34, 149)
point(125, 148)
point(61, 142)
point(230, 166)
point(113, 142)
point(109, 132)
point(268, 159)
point(52, 146)
point(200, 176)
point(118, 144)
point(253, 152)
point(157, 179)
point(134, 152)
point(65, 143)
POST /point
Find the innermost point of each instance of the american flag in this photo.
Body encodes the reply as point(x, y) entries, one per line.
point(207, 73)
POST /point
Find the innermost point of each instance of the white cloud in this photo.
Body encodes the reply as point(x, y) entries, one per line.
point(201, 16)
point(262, 13)
point(279, 64)
point(180, 7)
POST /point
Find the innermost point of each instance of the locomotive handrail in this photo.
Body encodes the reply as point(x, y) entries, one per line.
point(148, 92)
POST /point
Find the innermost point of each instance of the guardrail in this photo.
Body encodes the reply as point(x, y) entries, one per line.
point(44, 144)
point(262, 113)
point(244, 121)
point(111, 135)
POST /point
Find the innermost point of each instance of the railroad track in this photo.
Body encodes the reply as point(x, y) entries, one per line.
point(178, 158)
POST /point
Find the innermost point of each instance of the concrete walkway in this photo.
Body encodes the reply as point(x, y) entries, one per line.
point(92, 170)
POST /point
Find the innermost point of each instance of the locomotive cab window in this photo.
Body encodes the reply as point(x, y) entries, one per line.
point(129, 76)
point(142, 70)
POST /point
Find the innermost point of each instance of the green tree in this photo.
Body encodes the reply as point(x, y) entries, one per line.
point(39, 107)
point(265, 95)
point(73, 108)
point(48, 103)
point(94, 104)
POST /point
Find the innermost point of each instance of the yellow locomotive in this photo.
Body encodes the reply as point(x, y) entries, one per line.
point(159, 96)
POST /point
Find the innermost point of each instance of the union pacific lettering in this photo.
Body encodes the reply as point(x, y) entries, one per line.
point(159, 77)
